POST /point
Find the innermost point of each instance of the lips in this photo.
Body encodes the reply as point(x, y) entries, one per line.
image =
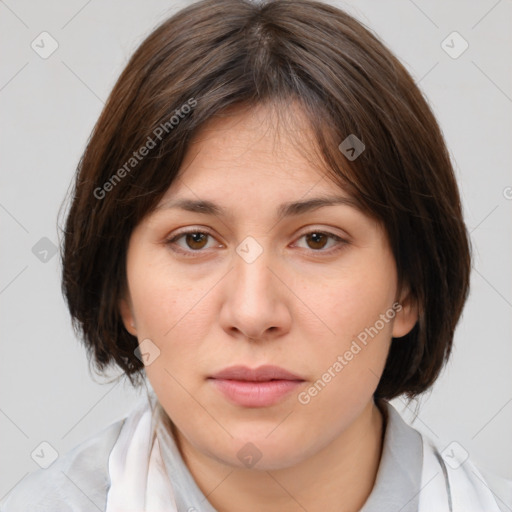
point(261, 374)
point(259, 387)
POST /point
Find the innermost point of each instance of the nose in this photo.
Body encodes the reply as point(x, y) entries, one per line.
point(256, 299)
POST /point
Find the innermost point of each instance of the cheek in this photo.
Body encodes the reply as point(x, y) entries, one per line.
point(357, 313)
point(163, 296)
point(348, 365)
point(354, 297)
point(175, 313)
point(177, 321)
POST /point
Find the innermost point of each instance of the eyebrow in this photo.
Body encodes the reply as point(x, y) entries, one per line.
point(288, 209)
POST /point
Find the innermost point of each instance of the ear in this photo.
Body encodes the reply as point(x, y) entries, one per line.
point(407, 314)
point(126, 311)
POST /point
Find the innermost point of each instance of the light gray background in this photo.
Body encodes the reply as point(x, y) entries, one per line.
point(49, 107)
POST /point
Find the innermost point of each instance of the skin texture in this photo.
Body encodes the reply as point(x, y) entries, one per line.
point(299, 305)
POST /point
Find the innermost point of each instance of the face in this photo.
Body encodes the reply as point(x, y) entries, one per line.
point(313, 292)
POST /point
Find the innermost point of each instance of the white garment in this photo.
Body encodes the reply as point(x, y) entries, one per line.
point(446, 488)
point(138, 486)
point(139, 481)
point(134, 465)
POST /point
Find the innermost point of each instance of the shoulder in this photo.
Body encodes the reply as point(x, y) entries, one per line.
point(500, 487)
point(76, 481)
point(469, 486)
point(448, 470)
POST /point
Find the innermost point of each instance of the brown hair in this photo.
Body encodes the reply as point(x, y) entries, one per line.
point(217, 54)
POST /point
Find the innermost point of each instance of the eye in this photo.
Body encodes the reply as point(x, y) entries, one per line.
point(317, 241)
point(194, 240)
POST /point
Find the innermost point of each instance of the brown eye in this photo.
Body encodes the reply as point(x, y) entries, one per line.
point(193, 243)
point(196, 240)
point(317, 240)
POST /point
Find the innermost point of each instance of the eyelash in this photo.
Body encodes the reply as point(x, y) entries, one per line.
point(193, 254)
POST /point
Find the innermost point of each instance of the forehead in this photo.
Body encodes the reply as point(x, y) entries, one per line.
point(253, 151)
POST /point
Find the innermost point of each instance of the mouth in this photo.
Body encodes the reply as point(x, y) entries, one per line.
point(260, 387)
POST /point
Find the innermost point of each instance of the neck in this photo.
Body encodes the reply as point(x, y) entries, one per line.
point(338, 478)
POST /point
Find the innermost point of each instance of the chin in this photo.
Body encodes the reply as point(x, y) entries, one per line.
point(261, 451)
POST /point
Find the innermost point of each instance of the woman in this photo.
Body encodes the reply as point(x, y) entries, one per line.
point(266, 224)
